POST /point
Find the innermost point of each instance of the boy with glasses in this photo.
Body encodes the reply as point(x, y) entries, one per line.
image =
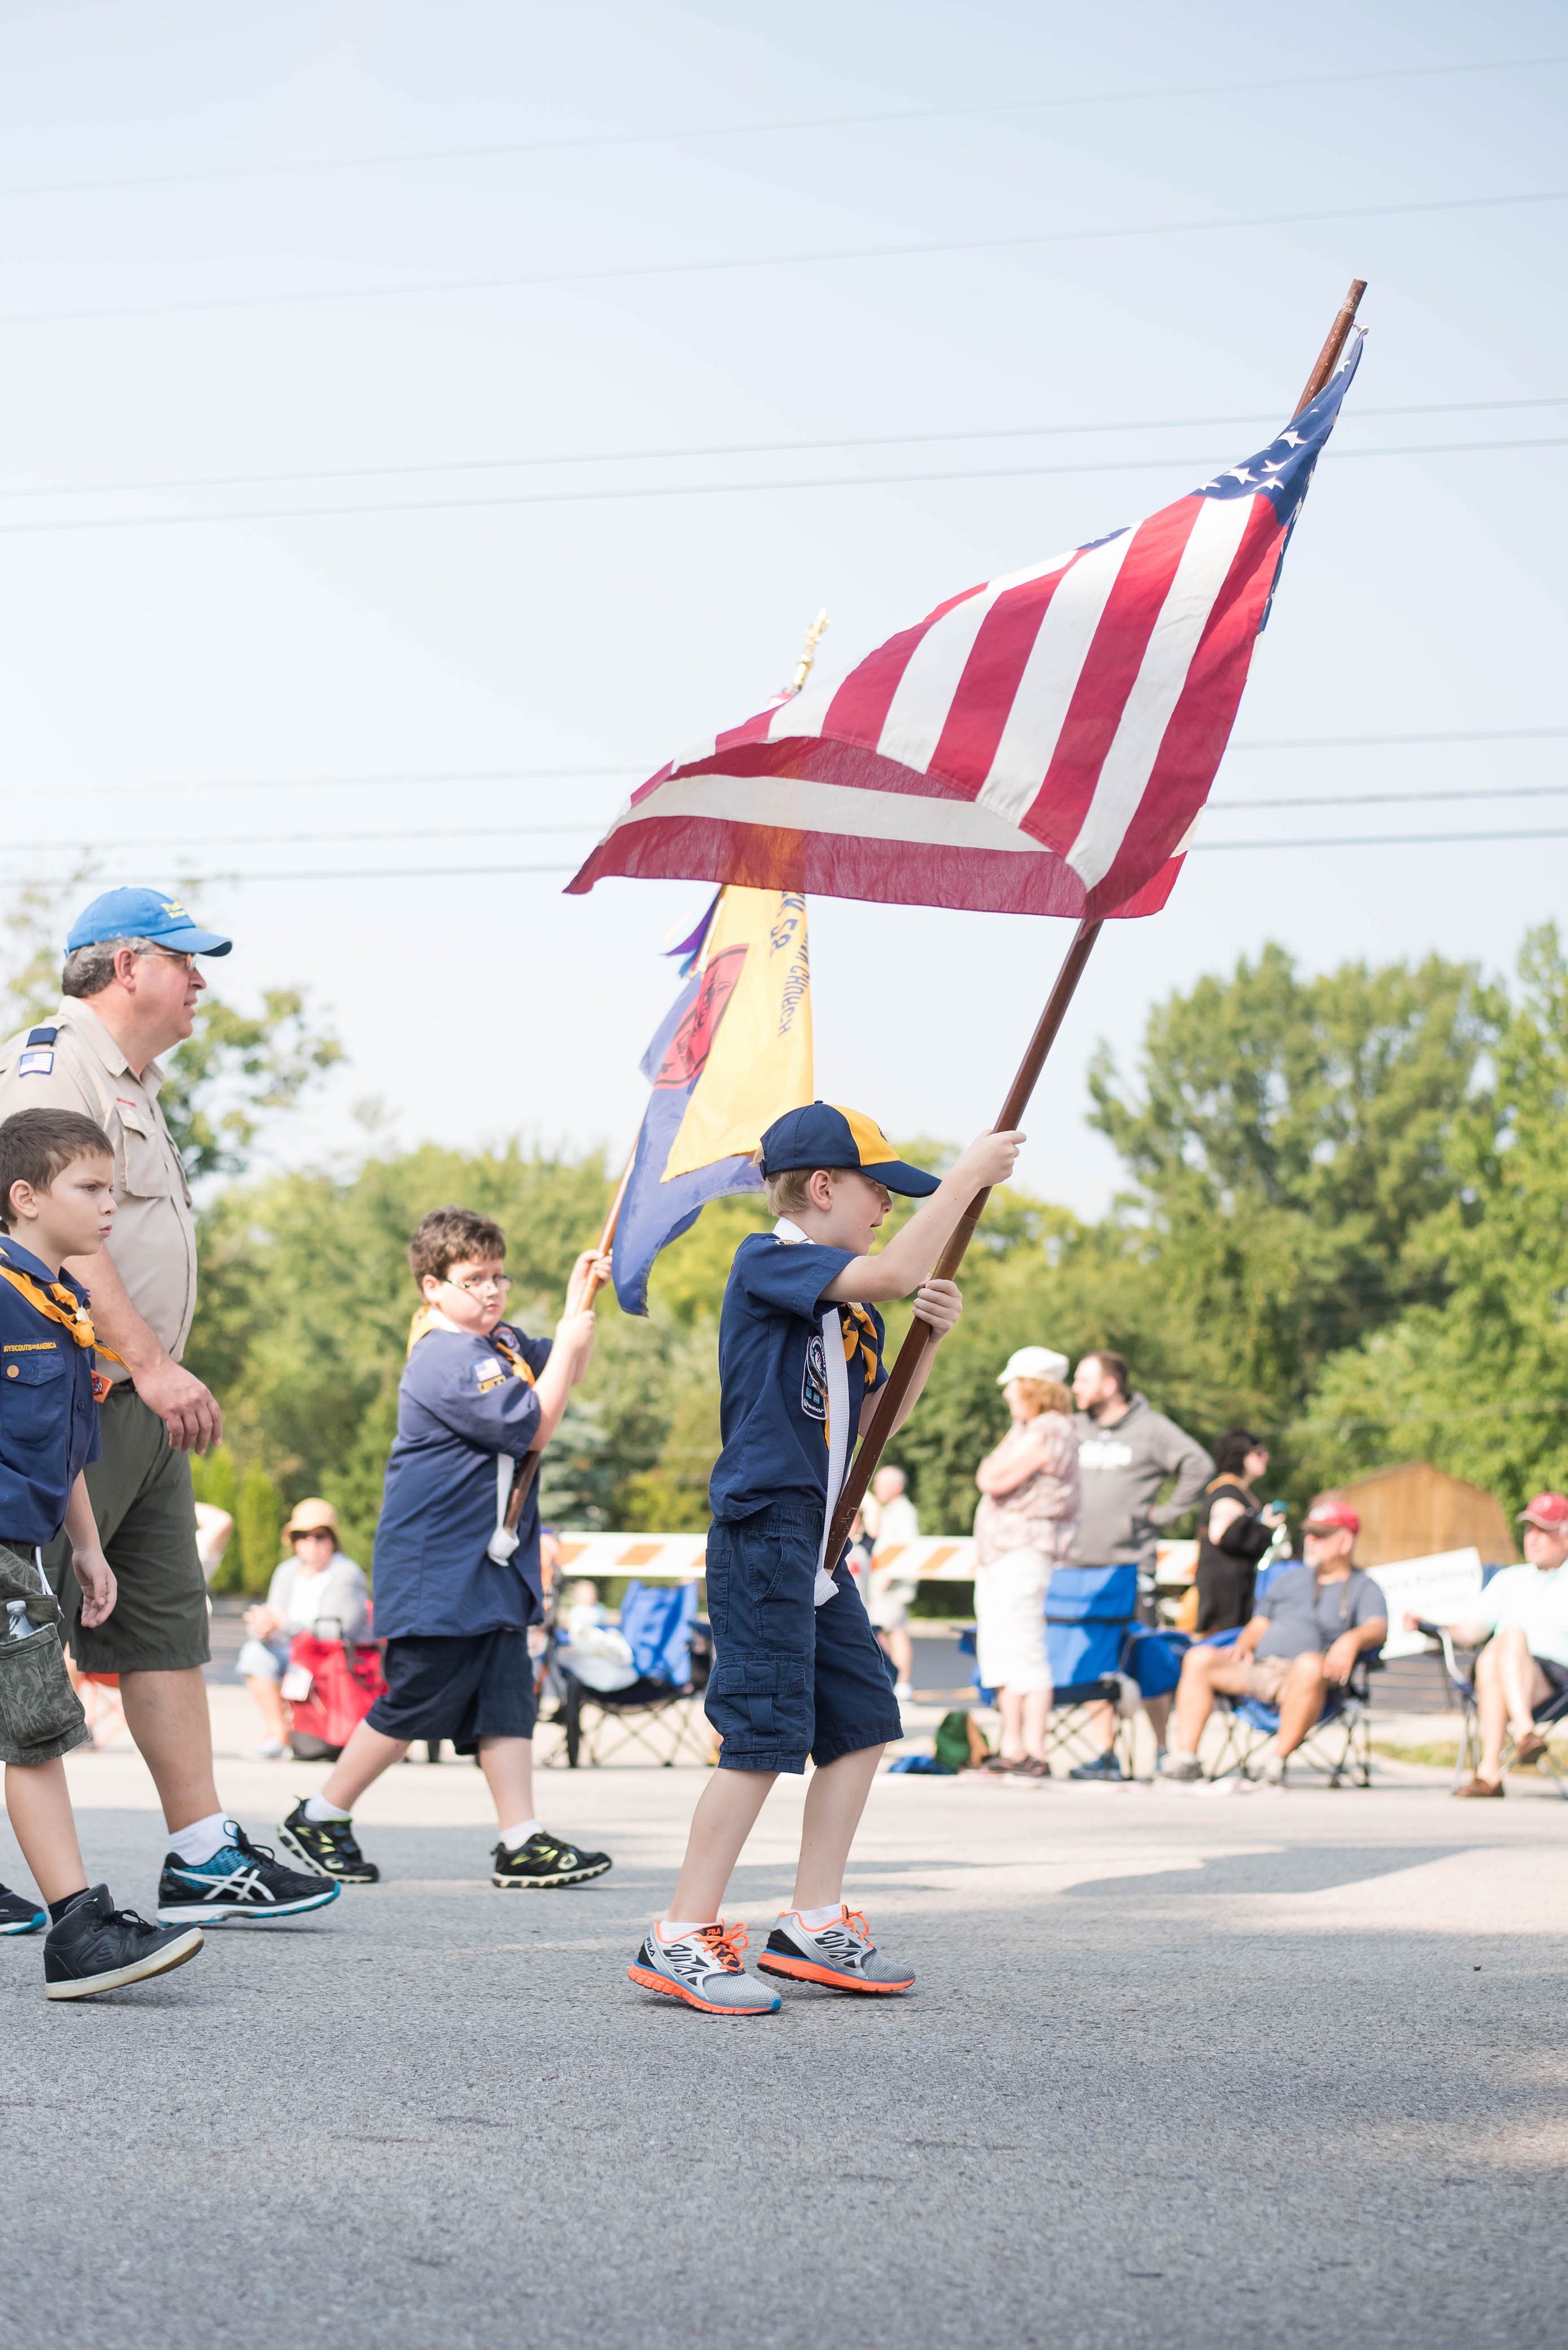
point(455, 1571)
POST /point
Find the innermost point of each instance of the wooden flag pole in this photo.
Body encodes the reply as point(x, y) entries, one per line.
point(912, 1353)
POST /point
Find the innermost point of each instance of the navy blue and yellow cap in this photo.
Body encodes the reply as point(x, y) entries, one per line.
point(824, 1135)
point(144, 914)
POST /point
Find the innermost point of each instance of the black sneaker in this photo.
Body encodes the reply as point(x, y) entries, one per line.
point(96, 1946)
point(545, 1860)
point(241, 1880)
point(327, 1848)
point(1104, 1766)
point(19, 1915)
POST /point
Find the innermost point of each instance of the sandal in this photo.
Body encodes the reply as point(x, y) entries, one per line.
point(994, 1767)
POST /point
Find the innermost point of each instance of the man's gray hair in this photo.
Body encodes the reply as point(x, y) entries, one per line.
point(88, 969)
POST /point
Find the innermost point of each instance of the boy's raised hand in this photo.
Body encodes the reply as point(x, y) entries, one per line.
point(990, 1158)
point(590, 1271)
point(99, 1590)
point(939, 1304)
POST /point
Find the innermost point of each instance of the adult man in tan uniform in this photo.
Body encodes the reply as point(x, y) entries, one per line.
point(130, 987)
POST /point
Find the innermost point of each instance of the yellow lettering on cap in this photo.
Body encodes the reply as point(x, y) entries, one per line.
point(172, 909)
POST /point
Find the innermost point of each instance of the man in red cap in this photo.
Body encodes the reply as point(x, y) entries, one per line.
point(1522, 1617)
point(1303, 1639)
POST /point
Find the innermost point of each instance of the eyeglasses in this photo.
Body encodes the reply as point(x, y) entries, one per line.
point(171, 954)
point(498, 1283)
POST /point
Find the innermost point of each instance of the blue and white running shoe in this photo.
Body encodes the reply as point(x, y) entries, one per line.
point(241, 1880)
point(19, 1915)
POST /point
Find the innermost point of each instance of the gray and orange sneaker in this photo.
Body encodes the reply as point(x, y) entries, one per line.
point(841, 1955)
point(705, 1970)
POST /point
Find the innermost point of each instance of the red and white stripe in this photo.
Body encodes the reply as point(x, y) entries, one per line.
point(1041, 744)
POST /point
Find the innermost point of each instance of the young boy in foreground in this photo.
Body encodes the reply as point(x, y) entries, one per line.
point(57, 1200)
point(797, 1669)
point(455, 1589)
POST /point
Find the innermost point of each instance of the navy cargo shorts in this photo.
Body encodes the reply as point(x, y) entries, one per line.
point(789, 1679)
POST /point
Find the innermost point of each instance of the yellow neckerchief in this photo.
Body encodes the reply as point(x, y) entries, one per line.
point(61, 1304)
point(860, 1331)
point(858, 1328)
point(427, 1318)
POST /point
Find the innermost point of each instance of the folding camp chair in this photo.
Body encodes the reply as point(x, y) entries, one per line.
point(1339, 1741)
point(1462, 1684)
point(662, 1709)
point(1089, 1614)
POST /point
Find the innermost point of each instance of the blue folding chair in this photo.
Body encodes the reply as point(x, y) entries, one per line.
point(1089, 1613)
point(1462, 1686)
point(673, 1649)
point(1339, 1740)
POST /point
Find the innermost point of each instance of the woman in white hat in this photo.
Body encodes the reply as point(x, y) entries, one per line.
point(1025, 1525)
point(319, 1584)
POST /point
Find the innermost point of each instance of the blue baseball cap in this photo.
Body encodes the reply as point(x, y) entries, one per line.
point(144, 914)
point(823, 1135)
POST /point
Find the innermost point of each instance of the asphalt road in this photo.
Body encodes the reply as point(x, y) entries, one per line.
point(1180, 2070)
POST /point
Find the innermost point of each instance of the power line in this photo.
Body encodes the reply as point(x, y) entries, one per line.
point(501, 872)
point(595, 825)
point(762, 130)
point(431, 775)
point(628, 271)
point(494, 500)
point(1383, 841)
point(1366, 741)
point(730, 449)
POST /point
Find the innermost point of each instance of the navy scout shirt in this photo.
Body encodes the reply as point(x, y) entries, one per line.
point(460, 1404)
point(773, 1378)
point(48, 1419)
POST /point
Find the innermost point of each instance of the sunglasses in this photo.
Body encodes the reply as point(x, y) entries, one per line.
point(313, 1533)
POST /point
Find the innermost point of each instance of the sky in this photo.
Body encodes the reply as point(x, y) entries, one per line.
point(419, 421)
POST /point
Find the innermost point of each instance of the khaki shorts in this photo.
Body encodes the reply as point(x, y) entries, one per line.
point(1266, 1677)
point(146, 1514)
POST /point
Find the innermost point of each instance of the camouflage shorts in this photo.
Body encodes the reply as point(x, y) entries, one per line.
point(40, 1714)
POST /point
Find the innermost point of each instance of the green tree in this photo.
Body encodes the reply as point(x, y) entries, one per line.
point(258, 1516)
point(1289, 1149)
point(1480, 1384)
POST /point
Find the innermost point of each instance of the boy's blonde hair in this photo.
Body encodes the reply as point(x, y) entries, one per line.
point(788, 1193)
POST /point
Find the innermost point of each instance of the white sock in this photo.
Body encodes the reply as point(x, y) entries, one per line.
point(675, 1930)
point(813, 1921)
point(318, 1808)
point(512, 1838)
point(202, 1839)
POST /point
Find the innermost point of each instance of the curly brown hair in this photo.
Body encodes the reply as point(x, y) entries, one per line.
point(450, 1237)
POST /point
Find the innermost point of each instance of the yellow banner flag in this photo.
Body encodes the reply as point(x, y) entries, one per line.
point(760, 1062)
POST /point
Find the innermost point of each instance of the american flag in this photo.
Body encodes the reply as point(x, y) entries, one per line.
point(1042, 744)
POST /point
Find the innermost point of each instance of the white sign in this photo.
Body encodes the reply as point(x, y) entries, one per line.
point(1438, 1588)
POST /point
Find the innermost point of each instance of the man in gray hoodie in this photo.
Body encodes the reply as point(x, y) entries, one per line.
point(1126, 1452)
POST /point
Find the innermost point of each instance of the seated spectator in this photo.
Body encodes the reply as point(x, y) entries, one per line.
point(318, 1584)
point(1522, 1617)
point(1310, 1626)
point(1234, 1536)
point(213, 1527)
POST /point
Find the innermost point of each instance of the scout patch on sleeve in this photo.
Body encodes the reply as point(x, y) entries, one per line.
point(813, 1379)
point(491, 1374)
point(35, 1064)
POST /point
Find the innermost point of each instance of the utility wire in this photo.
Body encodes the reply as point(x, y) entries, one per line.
point(764, 129)
point(627, 272)
point(728, 449)
point(497, 499)
point(499, 872)
point(631, 768)
point(184, 841)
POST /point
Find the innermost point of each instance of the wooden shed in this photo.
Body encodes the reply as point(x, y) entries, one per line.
point(1415, 1510)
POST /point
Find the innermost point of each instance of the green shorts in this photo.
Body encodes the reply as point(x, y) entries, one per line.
point(146, 1513)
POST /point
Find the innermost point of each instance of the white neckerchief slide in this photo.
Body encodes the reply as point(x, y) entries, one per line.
point(838, 1371)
